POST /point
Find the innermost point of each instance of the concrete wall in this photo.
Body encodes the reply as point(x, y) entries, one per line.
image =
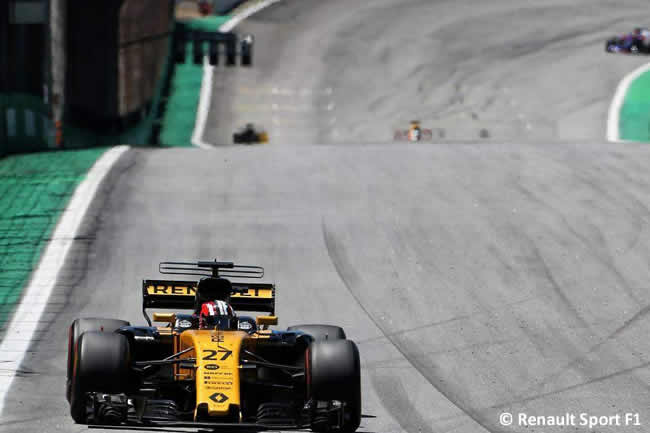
point(144, 31)
point(91, 72)
point(116, 55)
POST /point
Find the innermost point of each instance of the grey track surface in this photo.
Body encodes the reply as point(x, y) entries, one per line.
point(476, 277)
point(342, 71)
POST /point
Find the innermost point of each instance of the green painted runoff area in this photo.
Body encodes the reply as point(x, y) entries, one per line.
point(634, 119)
point(34, 190)
point(183, 101)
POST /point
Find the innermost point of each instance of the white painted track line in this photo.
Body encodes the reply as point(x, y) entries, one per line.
point(208, 71)
point(22, 327)
point(613, 117)
point(204, 105)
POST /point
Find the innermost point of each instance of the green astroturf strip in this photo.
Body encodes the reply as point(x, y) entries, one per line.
point(634, 120)
point(180, 113)
point(207, 24)
point(34, 189)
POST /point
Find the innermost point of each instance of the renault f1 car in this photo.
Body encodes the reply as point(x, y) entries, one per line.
point(236, 374)
point(249, 135)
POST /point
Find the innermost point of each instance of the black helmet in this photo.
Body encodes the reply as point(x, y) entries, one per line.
point(212, 289)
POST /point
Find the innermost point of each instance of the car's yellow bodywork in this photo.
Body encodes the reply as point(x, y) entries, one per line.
point(215, 358)
point(217, 368)
point(212, 355)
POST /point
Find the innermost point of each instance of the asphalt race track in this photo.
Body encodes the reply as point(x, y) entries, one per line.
point(478, 276)
point(345, 71)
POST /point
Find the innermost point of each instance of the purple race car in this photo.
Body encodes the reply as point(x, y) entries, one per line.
point(637, 42)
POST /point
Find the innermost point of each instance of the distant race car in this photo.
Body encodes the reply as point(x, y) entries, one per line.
point(248, 135)
point(637, 42)
point(414, 133)
point(231, 373)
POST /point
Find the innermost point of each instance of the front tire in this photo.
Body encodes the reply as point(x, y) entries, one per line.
point(334, 373)
point(78, 327)
point(101, 364)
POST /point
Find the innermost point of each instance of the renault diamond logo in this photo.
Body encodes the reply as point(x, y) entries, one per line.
point(218, 397)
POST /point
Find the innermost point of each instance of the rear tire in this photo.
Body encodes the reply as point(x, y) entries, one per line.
point(101, 365)
point(78, 327)
point(320, 332)
point(334, 373)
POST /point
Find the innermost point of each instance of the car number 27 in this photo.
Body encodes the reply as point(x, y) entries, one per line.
point(211, 355)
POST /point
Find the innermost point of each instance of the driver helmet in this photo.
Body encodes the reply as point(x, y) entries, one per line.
point(217, 314)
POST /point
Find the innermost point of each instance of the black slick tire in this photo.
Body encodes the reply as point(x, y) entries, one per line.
point(101, 364)
point(334, 373)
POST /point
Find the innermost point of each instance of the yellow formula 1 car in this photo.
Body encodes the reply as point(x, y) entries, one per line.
point(232, 373)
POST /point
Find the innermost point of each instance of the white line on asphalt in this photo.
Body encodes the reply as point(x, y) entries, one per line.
point(208, 70)
point(204, 105)
point(22, 327)
point(613, 117)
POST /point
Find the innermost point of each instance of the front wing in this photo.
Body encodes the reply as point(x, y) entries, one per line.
point(102, 406)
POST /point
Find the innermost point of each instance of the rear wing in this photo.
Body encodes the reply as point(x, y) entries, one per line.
point(171, 294)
